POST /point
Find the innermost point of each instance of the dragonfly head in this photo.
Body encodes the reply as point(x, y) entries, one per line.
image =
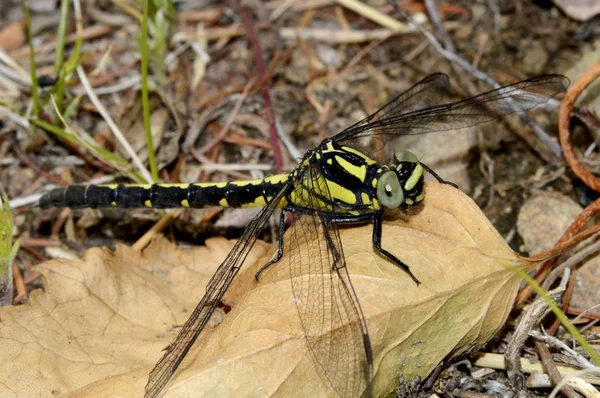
point(402, 185)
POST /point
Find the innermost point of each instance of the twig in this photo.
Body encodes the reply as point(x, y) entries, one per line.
point(157, 228)
point(572, 261)
point(113, 126)
point(432, 10)
point(19, 284)
point(587, 177)
point(452, 57)
point(374, 15)
point(564, 127)
point(261, 72)
point(236, 109)
point(584, 313)
point(564, 302)
point(556, 343)
point(19, 73)
point(553, 372)
point(89, 33)
point(281, 9)
point(123, 84)
point(339, 36)
point(563, 243)
point(496, 361)
point(25, 159)
point(530, 318)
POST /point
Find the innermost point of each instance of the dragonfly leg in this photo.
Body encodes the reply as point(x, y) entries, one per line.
point(279, 249)
point(437, 177)
point(377, 228)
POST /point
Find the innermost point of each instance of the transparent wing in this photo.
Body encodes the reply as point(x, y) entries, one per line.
point(328, 307)
point(218, 285)
point(430, 91)
point(394, 120)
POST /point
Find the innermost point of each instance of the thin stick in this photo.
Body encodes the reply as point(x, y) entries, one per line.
point(236, 110)
point(374, 15)
point(19, 284)
point(113, 126)
point(496, 361)
point(553, 372)
point(262, 74)
point(564, 127)
point(536, 311)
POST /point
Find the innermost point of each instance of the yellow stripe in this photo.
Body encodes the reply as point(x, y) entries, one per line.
point(113, 203)
point(277, 178)
point(185, 203)
point(359, 172)
point(147, 203)
point(366, 199)
point(414, 177)
point(339, 192)
point(420, 197)
point(223, 203)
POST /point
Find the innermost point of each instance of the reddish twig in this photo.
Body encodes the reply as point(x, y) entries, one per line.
point(553, 372)
point(564, 127)
point(19, 284)
point(566, 299)
point(34, 242)
point(261, 71)
point(236, 109)
point(586, 314)
point(60, 221)
point(38, 256)
point(25, 159)
point(588, 178)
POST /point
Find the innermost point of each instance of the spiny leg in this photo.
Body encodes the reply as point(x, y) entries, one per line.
point(437, 177)
point(279, 249)
point(377, 229)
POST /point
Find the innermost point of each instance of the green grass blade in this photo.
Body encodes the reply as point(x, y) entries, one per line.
point(145, 103)
point(35, 96)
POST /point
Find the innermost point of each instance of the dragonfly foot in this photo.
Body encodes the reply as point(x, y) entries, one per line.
point(437, 177)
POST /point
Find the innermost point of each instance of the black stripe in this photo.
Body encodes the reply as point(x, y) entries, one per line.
point(337, 173)
point(99, 196)
point(238, 195)
point(74, 196)
point(167, 197)
point(131, 196)
point(199, 197)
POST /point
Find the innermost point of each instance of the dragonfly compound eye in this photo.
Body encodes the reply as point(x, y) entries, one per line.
point(406, 157)
point(389, 191)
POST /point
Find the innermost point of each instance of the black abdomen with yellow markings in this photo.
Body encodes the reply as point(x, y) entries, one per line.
point(163, 196)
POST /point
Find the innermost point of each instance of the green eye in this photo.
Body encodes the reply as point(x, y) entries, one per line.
point(389, 191)
point(406, 156)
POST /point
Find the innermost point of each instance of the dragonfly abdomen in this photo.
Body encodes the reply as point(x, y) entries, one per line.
point(166, 196)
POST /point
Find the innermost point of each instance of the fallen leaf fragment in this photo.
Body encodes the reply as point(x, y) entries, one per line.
point(258, 349)
point(107, 314)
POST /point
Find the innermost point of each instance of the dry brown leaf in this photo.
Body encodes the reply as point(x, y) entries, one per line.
point(99, 317)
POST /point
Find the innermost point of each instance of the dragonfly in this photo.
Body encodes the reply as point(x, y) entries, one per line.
point(339, 182)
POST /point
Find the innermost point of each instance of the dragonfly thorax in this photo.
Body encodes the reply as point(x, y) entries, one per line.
point(345, 180)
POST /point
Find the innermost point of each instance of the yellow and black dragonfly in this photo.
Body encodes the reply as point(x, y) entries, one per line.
point(337, 183)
